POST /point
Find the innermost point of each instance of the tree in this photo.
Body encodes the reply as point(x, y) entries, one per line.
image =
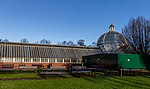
point(64, 43)
point(37, 42)
point(1, 40)
point(48, 42)
point(24, 40)
point(137, 34)
point(81, 42)
point(44, 41)
point(70, 43)
point(5, 40)
point(58, 43)
point(94, 44)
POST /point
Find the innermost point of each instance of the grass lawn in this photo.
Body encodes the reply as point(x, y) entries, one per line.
point(127, 82)
point(20, 75)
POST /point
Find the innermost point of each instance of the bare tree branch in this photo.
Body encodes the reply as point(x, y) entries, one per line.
point(137, 34)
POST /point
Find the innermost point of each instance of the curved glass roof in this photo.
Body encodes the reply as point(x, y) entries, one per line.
point(111, 37)
point(111, 40)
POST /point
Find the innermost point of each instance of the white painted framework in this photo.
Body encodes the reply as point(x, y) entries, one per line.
point(19, 52)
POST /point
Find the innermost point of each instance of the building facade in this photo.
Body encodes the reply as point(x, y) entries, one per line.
point(27, 55)
point(115, 61)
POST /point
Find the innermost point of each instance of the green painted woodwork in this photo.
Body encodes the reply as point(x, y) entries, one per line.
point(115, 61)
point(130, 61)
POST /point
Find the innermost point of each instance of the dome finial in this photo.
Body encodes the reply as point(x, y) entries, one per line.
point(111, 27)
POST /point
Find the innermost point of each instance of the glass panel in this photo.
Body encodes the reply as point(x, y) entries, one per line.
point(36, 59)
point(59, 60)
point(67, 60)
point(44, 60)
point(27, 60)
point(73, 60)
point(8, 59)
point(18, 59)
point(51, 60)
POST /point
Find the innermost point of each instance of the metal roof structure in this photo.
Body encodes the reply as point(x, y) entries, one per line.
point(111, 41)
point(27, 52)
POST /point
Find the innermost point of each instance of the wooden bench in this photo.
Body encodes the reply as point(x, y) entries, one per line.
point(78, 67)
point(27, 68)
point(7, 70)
point(56, 69)
point(53, 71)
point(81, 72)
point(51, 74)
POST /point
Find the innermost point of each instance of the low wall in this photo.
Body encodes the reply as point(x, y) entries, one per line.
point(28, 65)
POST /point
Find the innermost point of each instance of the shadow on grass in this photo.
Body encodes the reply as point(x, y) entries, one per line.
point(118, 82)
point(102, 81)
point(133, 83)
point(148, 77)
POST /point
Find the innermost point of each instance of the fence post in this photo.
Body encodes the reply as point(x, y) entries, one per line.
point(121, 72)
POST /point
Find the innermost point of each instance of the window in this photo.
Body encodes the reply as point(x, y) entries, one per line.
point(8, 59)
point(27, 60)
point(51, 60)
point(73, 60)
point(67, 60)
point(18, 59)
point(79, 60)
point(59, 60)
point(36, 59)
point(44, 60)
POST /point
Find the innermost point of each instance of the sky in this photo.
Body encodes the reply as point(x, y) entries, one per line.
point(59, 20)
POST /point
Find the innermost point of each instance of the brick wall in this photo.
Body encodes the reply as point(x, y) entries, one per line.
point(42, 65)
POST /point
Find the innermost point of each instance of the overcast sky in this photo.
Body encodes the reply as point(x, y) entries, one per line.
point(59, 20)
